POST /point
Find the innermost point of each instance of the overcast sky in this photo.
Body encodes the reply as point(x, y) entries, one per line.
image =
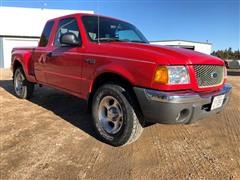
point(215, 21)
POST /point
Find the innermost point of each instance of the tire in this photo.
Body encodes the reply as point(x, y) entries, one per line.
point(114, 115)
point(22, 87)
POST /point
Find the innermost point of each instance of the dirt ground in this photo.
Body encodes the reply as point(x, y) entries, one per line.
point(51, 137)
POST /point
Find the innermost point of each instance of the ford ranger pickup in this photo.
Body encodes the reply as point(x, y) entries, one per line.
point(126, 81)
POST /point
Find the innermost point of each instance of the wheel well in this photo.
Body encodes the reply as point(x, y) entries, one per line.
point(16, 65)
point(112, 78)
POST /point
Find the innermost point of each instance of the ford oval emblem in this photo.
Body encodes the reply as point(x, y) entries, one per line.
point(214, 75)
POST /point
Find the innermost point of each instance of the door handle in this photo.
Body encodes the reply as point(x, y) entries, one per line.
point(49, 54)
point(90, 61)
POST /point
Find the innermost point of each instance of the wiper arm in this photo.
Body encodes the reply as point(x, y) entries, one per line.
point(138, 41)
point(109, 39)
point(118, 40)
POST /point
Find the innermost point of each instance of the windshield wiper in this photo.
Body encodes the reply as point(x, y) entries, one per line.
point(138, 41)
point(109, 40)
point(118, 40)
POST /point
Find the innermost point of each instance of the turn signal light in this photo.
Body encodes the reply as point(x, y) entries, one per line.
point(161, 75)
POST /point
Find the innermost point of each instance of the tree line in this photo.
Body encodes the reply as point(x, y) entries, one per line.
point(227, 54)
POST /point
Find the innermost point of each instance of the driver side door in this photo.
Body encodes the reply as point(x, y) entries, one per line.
point(64, 62)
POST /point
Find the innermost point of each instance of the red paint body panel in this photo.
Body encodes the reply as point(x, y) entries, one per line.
point(136, 62)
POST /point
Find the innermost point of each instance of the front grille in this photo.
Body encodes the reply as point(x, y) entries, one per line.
point(209, 75)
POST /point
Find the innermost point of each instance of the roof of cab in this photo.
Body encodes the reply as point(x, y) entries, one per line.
point(84, 14)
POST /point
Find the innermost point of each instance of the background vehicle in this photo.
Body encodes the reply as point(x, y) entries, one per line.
point(126, 81)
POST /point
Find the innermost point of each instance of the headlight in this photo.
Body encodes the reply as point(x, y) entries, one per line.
point(172, 75)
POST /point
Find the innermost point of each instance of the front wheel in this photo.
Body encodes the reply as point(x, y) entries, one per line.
point(114, 115)
point(22, 87)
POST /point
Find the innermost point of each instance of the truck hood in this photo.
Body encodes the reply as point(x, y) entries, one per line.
point(160, 54)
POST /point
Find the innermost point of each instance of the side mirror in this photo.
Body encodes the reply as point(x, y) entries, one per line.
point(69, 39)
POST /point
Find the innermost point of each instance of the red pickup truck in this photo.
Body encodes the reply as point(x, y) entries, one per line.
point(125, 80)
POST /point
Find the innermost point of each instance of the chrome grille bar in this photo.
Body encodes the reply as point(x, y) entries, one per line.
point(209, 75)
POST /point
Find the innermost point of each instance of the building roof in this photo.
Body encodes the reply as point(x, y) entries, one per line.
point(178, 40)
point(29, 22)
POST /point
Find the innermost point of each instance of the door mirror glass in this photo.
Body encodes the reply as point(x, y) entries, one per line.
point(69, 39)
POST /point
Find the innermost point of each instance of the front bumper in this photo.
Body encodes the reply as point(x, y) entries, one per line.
point(178, 106)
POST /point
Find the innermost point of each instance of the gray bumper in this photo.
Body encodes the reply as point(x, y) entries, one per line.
point(179, 106)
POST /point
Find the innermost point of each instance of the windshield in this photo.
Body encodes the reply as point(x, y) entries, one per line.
point(111, 30)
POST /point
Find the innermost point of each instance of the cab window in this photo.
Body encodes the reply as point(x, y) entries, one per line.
point(68, 25)
point(46, 34)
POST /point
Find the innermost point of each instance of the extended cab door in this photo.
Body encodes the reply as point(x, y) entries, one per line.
point(39, 55)
point(64, 62)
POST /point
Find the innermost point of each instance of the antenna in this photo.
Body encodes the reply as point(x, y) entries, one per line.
point(98, 30)
point(98, 19)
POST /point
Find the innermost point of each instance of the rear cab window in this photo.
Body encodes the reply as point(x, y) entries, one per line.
point(46, 34)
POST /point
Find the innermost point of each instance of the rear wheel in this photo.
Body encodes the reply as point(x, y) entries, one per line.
point(22, 87)
point(114, 115)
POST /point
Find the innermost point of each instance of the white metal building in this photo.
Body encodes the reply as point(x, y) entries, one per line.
point(203, 47)
point(21, 27)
